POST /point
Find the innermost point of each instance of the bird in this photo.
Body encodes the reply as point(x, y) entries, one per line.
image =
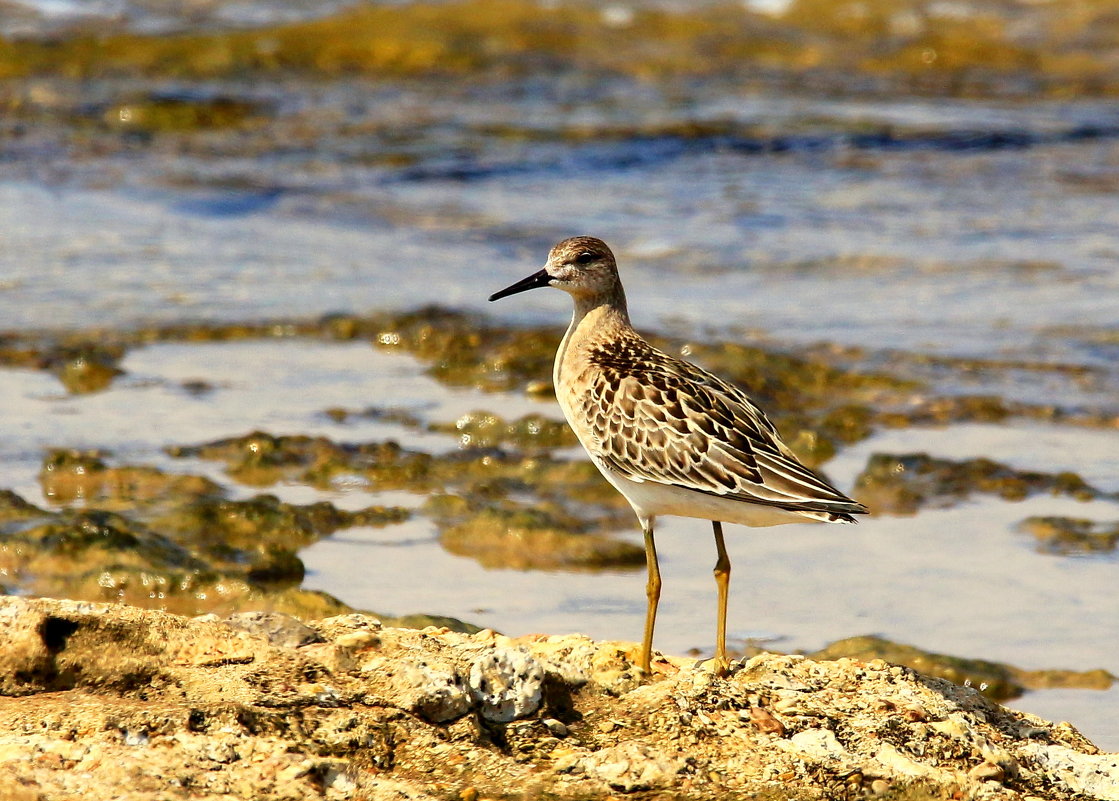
point(671, 437)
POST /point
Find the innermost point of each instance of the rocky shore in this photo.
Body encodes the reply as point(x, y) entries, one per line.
point(113, 701)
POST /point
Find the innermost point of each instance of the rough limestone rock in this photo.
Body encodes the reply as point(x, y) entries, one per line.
point(111, 701)
point(508, 683)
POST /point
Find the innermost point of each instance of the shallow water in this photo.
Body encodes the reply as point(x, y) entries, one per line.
point(982, 233)
point(957, 580)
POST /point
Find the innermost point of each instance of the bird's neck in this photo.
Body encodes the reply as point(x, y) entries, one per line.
point(594, 319)
point(599, 316)
point(593, 312)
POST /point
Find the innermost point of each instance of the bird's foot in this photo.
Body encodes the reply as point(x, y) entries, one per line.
point(651, 667)
point(718, 665)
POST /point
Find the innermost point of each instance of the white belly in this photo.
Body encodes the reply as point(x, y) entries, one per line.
point(649, 499)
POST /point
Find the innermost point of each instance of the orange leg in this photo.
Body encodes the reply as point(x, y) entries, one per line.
point(652, 593)
point(722, 582)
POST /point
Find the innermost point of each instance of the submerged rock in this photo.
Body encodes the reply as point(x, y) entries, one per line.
point(471, 491)
point(533, 432)
point(994, 679)
point(1071, 535)
point(519, 537)
point(70, 476)
point(112, 701)
point(902, 484)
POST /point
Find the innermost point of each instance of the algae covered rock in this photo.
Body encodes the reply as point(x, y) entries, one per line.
point(996, 680)
point(1064, 536)
point(902, 484)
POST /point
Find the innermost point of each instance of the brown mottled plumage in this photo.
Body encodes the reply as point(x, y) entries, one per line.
point(671, 437)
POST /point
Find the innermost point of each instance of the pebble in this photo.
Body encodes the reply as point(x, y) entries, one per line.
point(436, 693)
point(283, 631)
point(818, 745)
point(765, 721)
point(556, 727)
point(632, 766)
point(136, 737)
point(914, 714)
point(356, 640)
point(508, 683)
point(338, 778)
point(221, 752)
point(987, 772)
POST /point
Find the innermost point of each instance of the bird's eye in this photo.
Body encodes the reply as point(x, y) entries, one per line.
point(584, 258)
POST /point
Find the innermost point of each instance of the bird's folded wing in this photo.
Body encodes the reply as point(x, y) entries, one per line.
point(687, 428)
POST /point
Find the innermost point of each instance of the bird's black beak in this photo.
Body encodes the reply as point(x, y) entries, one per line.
point(534, 281)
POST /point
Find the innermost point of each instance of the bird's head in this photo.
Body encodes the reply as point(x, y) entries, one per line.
point(581, 266)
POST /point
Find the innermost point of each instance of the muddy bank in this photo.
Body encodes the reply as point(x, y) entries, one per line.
point(113, 701)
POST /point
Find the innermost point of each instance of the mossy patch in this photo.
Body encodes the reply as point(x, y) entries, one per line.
point(902, 484)
point(1065, 536)
point(476, 494)
point(509, 535)
point(850, 46)
point(162, 112)
point(163, 540)
point(532, 433)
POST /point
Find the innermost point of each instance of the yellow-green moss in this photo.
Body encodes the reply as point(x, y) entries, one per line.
point(918, 45)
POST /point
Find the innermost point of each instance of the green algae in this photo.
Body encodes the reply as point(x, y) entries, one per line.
point(817, 399)
point(171, 541)
point(816, 405)
point(1066, 536)
point(14, 509)
point(847, 46)
point(165, 113)
point(81, 364)
point(259, 459)
point(472, 492)
point(464, 350)
point(993, 679)
point(531, 433)
point(396, 415)
point(176, 541)
point(82, 374)
point(902, 484)
point(263, 533)
point(820, 399)
point(71, 476)
point(543, 536)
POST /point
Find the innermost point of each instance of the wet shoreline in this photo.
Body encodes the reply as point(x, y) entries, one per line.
point(507, 494)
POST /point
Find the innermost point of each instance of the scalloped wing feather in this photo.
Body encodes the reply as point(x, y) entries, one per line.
point(655, 418)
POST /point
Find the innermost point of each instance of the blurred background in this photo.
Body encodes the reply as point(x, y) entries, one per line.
point(246, 360)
